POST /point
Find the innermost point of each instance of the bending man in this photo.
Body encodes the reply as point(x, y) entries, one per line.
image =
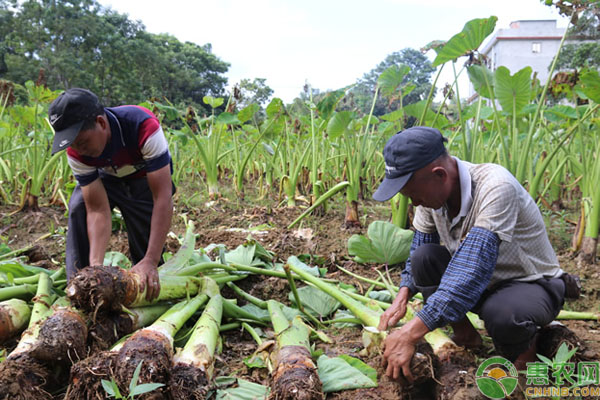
point(120, 158)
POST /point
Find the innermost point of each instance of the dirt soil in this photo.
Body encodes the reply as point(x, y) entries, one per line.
point(324, 239)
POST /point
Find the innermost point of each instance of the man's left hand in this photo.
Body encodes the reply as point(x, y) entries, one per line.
point(397, 355)
point(148, 273)
point(399, 348)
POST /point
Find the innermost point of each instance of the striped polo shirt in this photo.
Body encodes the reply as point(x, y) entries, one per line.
point(137, 146)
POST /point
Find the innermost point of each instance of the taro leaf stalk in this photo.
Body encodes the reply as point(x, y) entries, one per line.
point(359, 151)
point(22, 377)
point(14, 316)
point(154, 347)
point(295, 375)
point(590, 85)
point(181, 257)
point(193, 365)
point(291, 162)
point(274, 112)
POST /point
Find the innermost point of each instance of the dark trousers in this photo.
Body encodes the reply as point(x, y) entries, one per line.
point(133, 197)
point(512, 311)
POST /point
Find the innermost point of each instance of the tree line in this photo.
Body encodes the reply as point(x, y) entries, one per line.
point(80, 43)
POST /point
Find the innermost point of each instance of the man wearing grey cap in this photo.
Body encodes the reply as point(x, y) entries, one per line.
point(480, 245)
point(120, 158)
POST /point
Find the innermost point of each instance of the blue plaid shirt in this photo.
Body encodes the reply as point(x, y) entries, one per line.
point(467, 276)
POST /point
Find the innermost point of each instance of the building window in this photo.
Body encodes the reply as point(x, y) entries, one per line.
point(536, 47)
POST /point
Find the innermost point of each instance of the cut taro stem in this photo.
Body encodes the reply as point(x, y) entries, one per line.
point(295, 375)
point(110, 288)
point(87, 375)
point(153, 346)
point(63, 335)
point(14, 316)
point(108, 329)
point(22, 376)
point(40, 311)
point(193, 366)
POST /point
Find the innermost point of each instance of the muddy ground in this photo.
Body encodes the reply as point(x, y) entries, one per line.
point(323, 237)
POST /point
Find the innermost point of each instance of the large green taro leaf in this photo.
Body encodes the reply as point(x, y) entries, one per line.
point(469, 39)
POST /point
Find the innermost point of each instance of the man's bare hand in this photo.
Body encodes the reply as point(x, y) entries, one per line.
point(396, 311)
point(397, 355)
point(399, 348)
point(148, 273)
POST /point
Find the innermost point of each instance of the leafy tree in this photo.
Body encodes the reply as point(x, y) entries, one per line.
point(255, 91)
point(81, 43)
point(586, 52)
point(361, 96)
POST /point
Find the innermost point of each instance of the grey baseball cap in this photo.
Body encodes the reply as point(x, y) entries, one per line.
point(406, 152)
point(68, 113)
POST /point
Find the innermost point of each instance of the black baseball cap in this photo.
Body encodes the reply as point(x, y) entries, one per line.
point(406, 152)
point(68, 113)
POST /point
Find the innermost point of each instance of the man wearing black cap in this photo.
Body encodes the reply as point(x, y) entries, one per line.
point(494, 258)
point(120, 158)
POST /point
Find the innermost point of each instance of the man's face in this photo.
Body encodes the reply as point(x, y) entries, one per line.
point(428, 187)
point(91, 142)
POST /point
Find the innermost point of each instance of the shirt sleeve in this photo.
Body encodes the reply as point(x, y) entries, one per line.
point(155, 148)
point(85, 174)
point(467, 276)
point(418, 239)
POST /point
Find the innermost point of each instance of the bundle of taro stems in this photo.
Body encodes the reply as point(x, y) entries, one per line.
point(82, 338)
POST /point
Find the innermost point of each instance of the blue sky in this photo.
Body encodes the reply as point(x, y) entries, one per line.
point(327, 43)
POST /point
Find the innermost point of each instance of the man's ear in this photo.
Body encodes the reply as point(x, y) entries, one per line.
point(440, 171)
point(102, 120)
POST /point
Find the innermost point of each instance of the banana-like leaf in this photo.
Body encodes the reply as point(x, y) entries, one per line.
point(469, 39)
point(391, 79)
point(560, 112)
point(482, 79)
point(316, 300)
point(117, 258)
point(247, 112)
point(274, 107)
point(590, 84)
point(246, 390)
point(339, 123)
point(386, 244)
point(416, 110)
point(338, 374)
point(214, 102)
point(228, 119)
point(328, 104)
point(512, 91)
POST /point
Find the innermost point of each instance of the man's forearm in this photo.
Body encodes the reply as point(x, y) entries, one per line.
point(162, 212)
point(98, 227)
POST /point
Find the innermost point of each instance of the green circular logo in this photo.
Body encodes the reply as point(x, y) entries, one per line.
point(496, 377)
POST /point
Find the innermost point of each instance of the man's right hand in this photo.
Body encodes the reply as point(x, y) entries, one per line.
point(397, 310)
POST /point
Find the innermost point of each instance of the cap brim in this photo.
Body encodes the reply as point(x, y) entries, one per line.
point(389, 187)
point(64, 138)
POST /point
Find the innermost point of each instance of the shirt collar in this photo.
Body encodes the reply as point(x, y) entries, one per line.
point(466, 199)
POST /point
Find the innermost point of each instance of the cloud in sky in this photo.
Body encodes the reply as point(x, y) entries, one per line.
point(327, 43)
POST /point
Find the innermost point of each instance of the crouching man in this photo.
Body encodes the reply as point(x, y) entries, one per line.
point(480, 245)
